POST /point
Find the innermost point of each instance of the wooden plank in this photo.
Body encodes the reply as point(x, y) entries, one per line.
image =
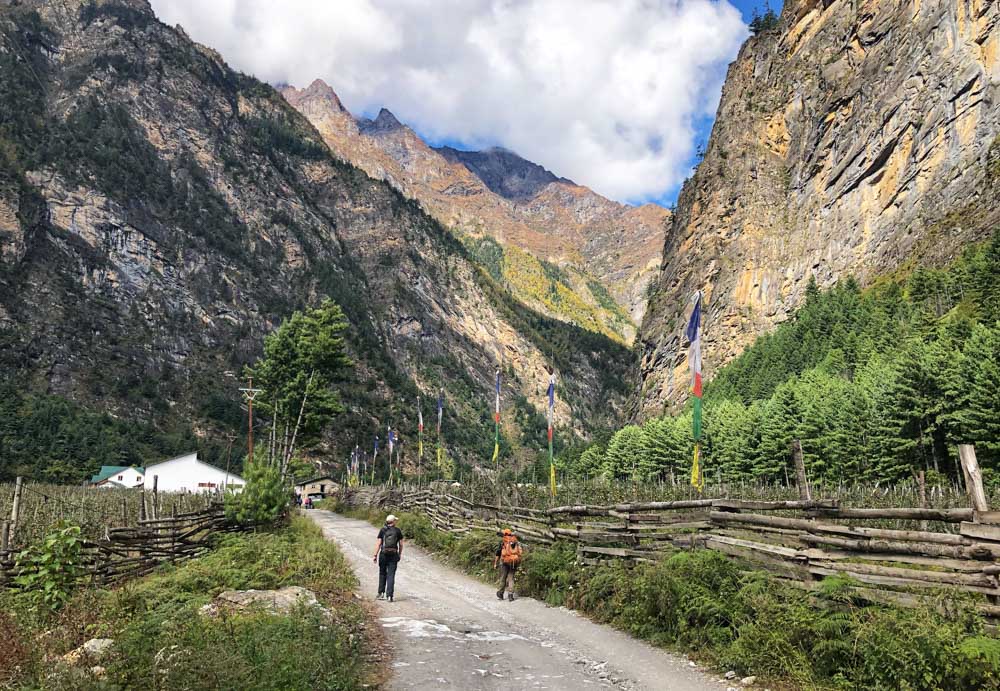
point(896, 581)
point(941, 577)
point(979, 550)
point(739, 505)
point(981, 531)
point(960, 565)
point(945, 515)
point(584, 510)
point(987, 517)
point(782, 567)
point(776, 550)
point(724, 518)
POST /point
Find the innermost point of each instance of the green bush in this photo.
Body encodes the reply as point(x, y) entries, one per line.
point(48, 572)
point(263, 498)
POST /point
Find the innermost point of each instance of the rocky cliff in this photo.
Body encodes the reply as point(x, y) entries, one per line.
point(160, 213)
point(593, 246)
point(860, 138)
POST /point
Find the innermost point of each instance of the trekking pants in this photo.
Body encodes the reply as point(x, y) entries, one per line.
point(507, 577)
point(387, 562)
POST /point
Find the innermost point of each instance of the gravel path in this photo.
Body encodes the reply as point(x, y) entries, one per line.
point(448, 630)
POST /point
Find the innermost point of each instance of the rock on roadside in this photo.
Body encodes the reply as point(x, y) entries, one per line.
point(282, 601)
point(92, 651)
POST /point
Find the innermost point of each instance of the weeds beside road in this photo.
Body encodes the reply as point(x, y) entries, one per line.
point(161, 640)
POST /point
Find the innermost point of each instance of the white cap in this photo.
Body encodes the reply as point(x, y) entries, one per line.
point(391, 519)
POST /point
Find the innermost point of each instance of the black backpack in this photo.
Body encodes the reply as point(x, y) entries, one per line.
point(390, 540)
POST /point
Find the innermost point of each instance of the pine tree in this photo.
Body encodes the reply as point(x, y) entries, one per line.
point(779, 426)
point(978, 419)
point(731, 443)
point(664, 446)
point(623, 456)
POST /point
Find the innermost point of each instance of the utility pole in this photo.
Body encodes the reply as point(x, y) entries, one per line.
point(249, 394)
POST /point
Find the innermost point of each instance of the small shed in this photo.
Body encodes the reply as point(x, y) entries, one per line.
point(317, 487)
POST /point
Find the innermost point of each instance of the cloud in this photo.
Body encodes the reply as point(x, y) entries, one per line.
point(604, 92)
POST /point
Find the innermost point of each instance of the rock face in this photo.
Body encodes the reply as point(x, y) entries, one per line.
point(497, 194)
point(160, 214)
point(858, 139)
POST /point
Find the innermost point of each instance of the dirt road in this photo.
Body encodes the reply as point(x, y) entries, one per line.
point(450, 631)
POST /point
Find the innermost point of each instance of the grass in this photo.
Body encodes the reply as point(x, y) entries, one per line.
point(711, 607)
point(161, 640)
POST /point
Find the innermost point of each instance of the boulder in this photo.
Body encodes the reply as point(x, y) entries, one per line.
point(282, 601)
point(92, 651)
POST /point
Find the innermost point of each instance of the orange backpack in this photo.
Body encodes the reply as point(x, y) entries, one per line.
point(510, 553)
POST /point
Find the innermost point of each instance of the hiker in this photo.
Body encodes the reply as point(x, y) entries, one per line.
point(508, 556)
point(388, 551)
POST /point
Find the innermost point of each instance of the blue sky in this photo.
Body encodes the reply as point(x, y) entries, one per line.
point(614, 94)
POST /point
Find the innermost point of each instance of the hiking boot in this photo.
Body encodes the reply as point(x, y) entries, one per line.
point(499, 594)
point(510, 597)
point(389, 598)
point(381, 596)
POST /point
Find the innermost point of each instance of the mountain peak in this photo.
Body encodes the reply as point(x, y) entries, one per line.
point(385, 121)
point(503, 171)
point(317, 91)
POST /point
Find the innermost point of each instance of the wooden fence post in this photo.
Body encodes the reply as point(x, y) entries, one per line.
point(156, 497)
point(800, 471)
point(973, 477)
point(922, 489)
point(5, 537)
point(124, 512)
point(15, 510)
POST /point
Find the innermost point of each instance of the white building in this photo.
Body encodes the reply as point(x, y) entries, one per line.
point(118, 476)
point(188, 474)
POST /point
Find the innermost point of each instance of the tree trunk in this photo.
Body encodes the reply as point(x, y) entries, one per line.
point(271, 456)
point(298, 423)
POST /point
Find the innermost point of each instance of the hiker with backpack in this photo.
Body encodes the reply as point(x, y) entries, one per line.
point(508, 556)
point(388, 551)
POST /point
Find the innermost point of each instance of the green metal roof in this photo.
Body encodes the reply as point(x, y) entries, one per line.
point(109, 470)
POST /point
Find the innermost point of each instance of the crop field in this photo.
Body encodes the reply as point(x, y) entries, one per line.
point(601, 491)
point(43, 506)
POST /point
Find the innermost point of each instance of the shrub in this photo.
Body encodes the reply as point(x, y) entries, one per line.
point(48, 572)
point(264, 497)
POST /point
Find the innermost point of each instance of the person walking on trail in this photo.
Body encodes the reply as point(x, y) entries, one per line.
point(508, 556)
point(388, 551)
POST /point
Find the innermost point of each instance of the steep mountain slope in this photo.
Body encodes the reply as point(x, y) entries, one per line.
point(859, 138)
point(596, 246)
point(160, 213)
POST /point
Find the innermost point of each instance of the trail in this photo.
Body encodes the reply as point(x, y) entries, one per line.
point(449, 631)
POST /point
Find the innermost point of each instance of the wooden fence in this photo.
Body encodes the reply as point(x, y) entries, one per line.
point(891, 554)
point(128, 551)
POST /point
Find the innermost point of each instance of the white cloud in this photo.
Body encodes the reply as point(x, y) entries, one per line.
point(601, 91)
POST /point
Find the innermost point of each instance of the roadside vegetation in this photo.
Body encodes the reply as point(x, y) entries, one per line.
point(163, 639)
point(711, 607)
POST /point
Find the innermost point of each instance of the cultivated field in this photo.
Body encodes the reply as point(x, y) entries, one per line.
point(42, 506)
